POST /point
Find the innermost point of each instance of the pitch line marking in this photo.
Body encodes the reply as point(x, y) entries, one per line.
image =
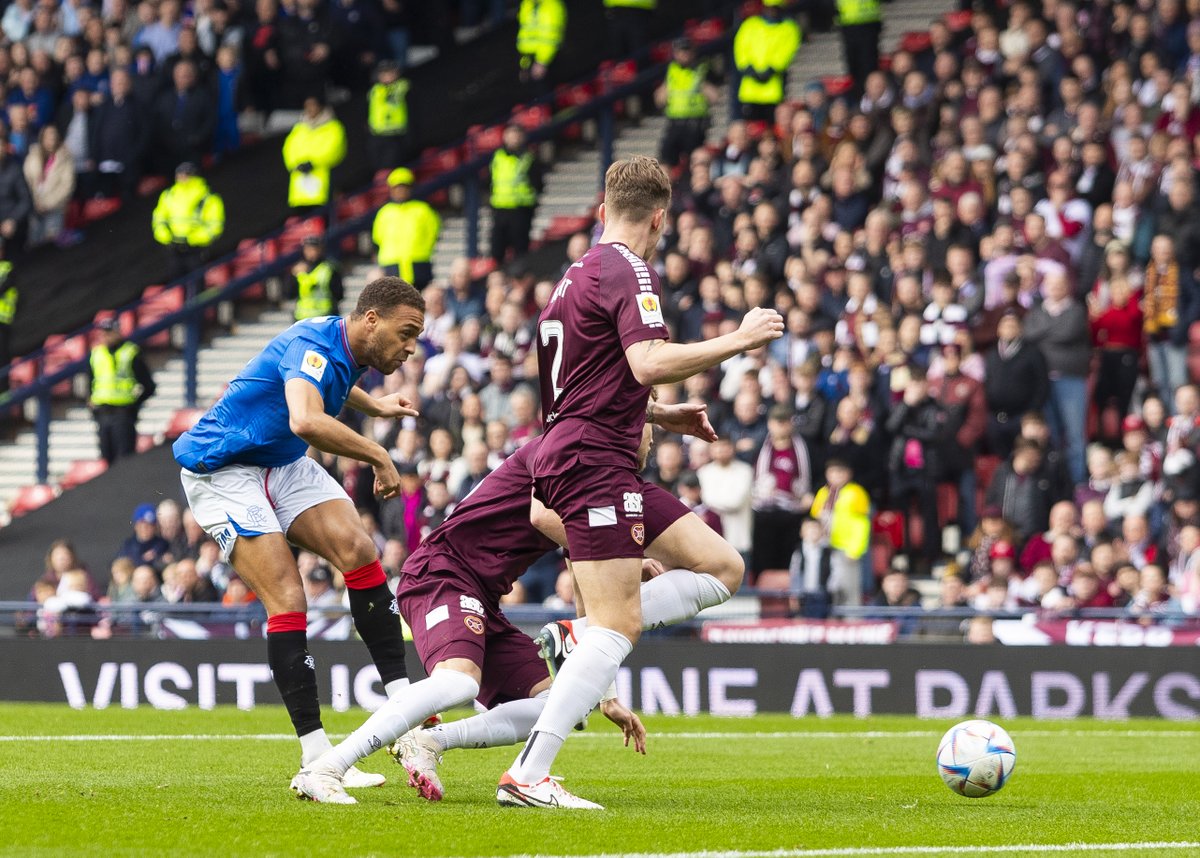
point(832, 734)
point(851, 851)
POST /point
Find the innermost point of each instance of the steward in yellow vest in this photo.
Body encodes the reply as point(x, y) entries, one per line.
point(316, 281)
point(763, 48)
point(387, 117)
point(516, 180)
point(315, 145)
point(120, 382)
point(188, 219)
point(406, 232)
point(8, 310)
point(541, 24)
point(685, 97)
point(861, 23)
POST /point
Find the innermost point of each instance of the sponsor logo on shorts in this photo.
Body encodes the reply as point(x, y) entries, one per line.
point(438, 615)
point(473, 623)
point(470, 605)
point(633, 503)
point(638, 532)
point(602, 516)
point(314, 365)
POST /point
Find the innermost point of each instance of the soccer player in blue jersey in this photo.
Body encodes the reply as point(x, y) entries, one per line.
point(253, 489)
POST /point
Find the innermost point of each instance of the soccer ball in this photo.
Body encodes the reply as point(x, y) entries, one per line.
point(976, 758)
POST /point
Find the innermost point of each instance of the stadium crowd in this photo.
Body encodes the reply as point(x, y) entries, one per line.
point(987, 261)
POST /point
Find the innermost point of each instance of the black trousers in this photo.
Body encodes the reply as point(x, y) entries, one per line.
point(183, 259)
point(860, 46)
point(422, 273)
point(907, 485)
point(776, 533)
point(758, 112)
point(680, 139)
point(627, 30)
point(1118, 376)
point(387, 151)
point(117, 427)
point(510, 231)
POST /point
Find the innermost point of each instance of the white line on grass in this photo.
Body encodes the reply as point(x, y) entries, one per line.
point(833, 734)
point(897, 850)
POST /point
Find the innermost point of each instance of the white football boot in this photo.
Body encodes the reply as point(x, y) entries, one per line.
point(547, 792)
point(321, 786)
point(356, 779)
point(420, 755)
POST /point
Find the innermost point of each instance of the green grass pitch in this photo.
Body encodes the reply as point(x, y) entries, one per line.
point(711, 786)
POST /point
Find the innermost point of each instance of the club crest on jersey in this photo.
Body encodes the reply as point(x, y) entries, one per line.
point(473, 623)
point(649, 309)
point(314, 365)
point(638, 532)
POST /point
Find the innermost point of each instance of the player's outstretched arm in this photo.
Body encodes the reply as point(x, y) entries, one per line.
point(686, 418)
point(392, 405)
point(307, 420)
point(659, 362)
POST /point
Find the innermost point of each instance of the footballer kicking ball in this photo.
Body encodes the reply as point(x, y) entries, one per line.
point(976, 758)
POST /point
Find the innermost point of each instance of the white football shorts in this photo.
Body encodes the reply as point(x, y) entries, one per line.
point(248, 500)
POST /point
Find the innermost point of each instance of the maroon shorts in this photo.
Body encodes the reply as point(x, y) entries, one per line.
point(450, 618)
point(608, 512)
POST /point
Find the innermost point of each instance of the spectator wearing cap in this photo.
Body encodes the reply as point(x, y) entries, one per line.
point(184, 117)
point(1016, 381)
point(763, 48)
point(783, 490)
point(119, 138)
point(388, 138)
point(686, 97)
point(1168, 303)
point(189, 217)
point(120, 383)
point(316, 281)
point(405, 232)
point(145, 545)
point(314, 147)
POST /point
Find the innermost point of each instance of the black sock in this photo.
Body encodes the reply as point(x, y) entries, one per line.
point(377, 620)
point(296, 677)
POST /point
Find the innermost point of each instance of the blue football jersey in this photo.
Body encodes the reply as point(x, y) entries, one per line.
point(249, 424)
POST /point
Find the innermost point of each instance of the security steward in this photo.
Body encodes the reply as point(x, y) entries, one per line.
point(316, 281)
point(861, 22)
point(189, 217)
point(516, 182)
point(541, 24)
point(686, 97)
point(763, 48)
point(405, 232)
point(120, 383)
point(8, 310)
point(313, 148)
point(388, 139)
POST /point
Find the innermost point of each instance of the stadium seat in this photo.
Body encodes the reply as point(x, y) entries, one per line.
point(774, 606)
point(750, 8)
point(837, 85)
point(532, 118)
point(125, 319)
point(157, 302)
point(889, 526)
point(482, 267)
point(181, 421)
point(707, 30)
point(22, 373)
point(885, 62)
point(916, 42)
point(146, 442)
point(985, 469)
point(481, 139)
point(660, 52)
point(1194, 334)
point(564, 226)
point(217, 276)
point(62, 351)
point(30, 498)
point(81, 471)
point(882, 552)
point(947, 503)
point(958, 22)
point(99, 208)
point(296, 230)
point(151, 185)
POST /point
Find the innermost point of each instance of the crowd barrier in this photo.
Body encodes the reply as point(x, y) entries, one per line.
point(661, 676)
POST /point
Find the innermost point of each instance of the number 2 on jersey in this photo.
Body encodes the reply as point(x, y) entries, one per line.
point(552, 329)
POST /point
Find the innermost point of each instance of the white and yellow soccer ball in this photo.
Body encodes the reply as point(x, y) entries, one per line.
point(976, 758)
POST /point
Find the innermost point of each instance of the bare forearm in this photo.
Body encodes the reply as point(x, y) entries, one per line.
point(666, 363)
point(330, 436)
point(362, 402)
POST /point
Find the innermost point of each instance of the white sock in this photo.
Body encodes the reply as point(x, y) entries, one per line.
point(671, 598)
point(444, 689)
point(580, 683)
point(507, 724)
point(395, 685)
point(312, 745)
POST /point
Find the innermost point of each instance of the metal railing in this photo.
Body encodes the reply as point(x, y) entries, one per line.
point(601, 108)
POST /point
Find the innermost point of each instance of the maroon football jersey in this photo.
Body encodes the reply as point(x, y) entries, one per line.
point(593, 407)
point(488, 536)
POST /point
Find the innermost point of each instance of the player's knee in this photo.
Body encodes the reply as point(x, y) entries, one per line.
point(730, 569)
point(358, 551)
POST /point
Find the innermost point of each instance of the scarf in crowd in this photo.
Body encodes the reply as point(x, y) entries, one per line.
point(1161, 298)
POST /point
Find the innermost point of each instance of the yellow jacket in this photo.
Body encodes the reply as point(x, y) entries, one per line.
point(189, 213)
point(765, 47)
point(850, 522)
point(320, 142)
point(405, 233)
point(541, 24)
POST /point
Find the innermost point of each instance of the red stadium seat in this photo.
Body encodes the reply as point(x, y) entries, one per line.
point(100, 208)
point(660, 52)
point(704, 31)
point(81, 471)
point(750, 8)
point(916, 42)
point(151, 185)
point(159, 301)
point(481, 140)
point(31, 498)
point(60, 352)
point(217, 276)
point(296, 230)
point(1194, 334)
point(482, 267)
point(885, 62)
point(774, 606)
point(947, 503)
point(958, 21)
point(889, 526)
point(985, 470)
point(181, 421)
point(882, 552)
point(146, 442)
point(532, 118)
point(836, 85)
point(22, 373)
point(565, 226)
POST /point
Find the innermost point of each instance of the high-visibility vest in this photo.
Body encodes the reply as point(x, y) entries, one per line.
point(851, 12)
point(541, 25)
point(510, 181)
point(113, 381)
point(387, 108)
point(323, 146)
point(8, 298)
point(315, 298)
point(405, 233)
point(685, 92)
point(189, 213)
point(766, 46)
point(850, 523)
point(631, 4)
